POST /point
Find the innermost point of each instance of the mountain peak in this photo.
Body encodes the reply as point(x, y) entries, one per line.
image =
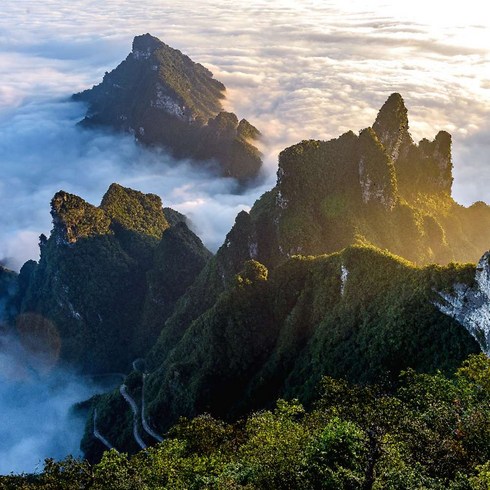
point(74, 218)
point(135, 211)
point(122, 208)
point(393, 109)
point(378, 187)
point(145, 45)
point(391, 126)
point(165, 99)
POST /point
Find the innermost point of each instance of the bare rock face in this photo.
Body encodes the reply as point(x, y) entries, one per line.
point(391, 126)
point(165, 99)
point(376, 171)
point(470, 305)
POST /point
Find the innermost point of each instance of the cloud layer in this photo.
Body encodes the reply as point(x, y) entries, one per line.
point(37, 420)
point(302, 71)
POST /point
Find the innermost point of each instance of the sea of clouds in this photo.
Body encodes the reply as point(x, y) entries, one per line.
point(296, 70)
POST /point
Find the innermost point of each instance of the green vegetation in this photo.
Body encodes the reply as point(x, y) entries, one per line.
point(275, 333)
point(165, 99)
point(132, 210)
point(75, 219)
point(177, 261)
point(100, 272)
point(191, 82)
point(422, 431)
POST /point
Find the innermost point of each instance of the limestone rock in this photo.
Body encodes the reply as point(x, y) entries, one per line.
point(470, 304)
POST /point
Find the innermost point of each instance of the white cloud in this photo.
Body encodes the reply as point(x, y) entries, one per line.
point(36, 418)
point(44, 151)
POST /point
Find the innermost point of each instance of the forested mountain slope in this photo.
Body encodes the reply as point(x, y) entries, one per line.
point(165, 99)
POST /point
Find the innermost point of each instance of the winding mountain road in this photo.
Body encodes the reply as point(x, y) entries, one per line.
point(123, 389)
point(134, 407)
point(98, 435)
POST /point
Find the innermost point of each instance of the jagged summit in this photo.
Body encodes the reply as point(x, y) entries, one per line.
point(391, 126)
point(422, 168)
point(378, 187)
point(74, 218)
point(165, 99)
point(134, 211)
point(99, 273)
point(121, 208)
point(145, 45)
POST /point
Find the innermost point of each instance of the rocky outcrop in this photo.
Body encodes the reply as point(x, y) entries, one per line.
point(121, 209)
point(98, 270)
point(391, 127)
point(425, 168)
point(376, 171)
point(134, 211)
point(470, 304)
point(74, 218)
point(165, 99)
point(436, 163)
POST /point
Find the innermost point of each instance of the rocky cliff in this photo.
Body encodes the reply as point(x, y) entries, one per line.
point(469, 304)
point(165, 99)
point(95, 280)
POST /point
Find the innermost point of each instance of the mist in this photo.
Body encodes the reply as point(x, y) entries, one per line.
point(36, 411)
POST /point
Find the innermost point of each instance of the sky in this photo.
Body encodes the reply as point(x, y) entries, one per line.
point(296, 70)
